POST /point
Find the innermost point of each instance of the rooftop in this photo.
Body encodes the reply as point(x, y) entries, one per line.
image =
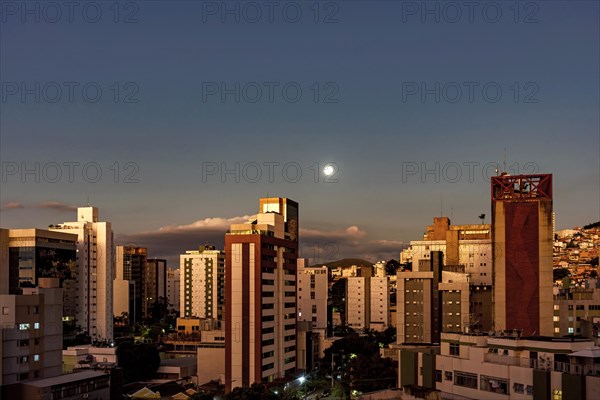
point(67, 378)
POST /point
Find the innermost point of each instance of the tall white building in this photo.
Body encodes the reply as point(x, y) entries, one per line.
point(312, 294)
point(173, 288)
point(95, 272)
point(357, 302)
point(379, 313)
point(202, 286)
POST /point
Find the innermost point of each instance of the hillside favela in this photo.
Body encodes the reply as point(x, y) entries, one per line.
point(504, 309)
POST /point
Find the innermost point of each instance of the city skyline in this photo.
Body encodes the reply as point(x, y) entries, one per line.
point(319, 246)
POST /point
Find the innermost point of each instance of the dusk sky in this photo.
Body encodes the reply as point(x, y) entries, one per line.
point(386, 91)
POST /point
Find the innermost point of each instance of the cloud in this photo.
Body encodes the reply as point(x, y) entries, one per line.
point(207, 223)
point(12, 205)
point(350, 232)
point(320, 246)
point(57, 205)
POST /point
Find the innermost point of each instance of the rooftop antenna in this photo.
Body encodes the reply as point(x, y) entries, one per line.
point(504, 163)
point(88, 200)
point(482, 218)
point(441, 204)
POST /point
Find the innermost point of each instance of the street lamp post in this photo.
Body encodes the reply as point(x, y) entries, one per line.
point(301, 380)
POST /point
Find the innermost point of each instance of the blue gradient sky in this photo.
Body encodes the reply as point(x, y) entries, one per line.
point(370, 133)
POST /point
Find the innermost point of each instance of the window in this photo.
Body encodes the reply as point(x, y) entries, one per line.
point(493, 384)
point(465, 379)
point(557, 394)
point(454, 349)
point(571, 330)
point(36, 357)
point(4, 310)
point(448, 375)
point(556, 318)
point(36, 325)
point(519, 388)
point(23, 327)
point(438, 375)
point(529, 390)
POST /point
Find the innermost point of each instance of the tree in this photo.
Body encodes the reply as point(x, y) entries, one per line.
point(560, 273)
point(257, 391)
point(371, 372)
point(159, 310)
point(594, 262)
point(201, 396)
point(338, 298)
point(139, 361)
point(358, 363)
point(391, 267)
point(593, 274)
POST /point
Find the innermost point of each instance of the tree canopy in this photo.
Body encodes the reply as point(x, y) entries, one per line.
point(138, 360)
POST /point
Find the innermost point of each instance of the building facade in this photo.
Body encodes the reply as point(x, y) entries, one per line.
point(38, 253)
point(202, 289)
point(173, 288)
point(31, 333)
point(466, 247)
point(577, 309)
point(130, 274)
point(155, 286)
point(312, 295)
point(95, 272)
point(522, 246)
point(379, 314)
point(260, 295)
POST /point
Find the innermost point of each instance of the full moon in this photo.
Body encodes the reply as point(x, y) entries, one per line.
point(328, 170)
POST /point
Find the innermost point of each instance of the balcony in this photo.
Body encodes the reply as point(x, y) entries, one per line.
point(577, 369)
point(507, 360)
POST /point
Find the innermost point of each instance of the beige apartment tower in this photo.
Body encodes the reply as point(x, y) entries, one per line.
point(95, 272)
point(260, 295)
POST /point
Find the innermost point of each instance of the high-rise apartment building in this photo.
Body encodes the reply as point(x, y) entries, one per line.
point(467, 247)
point(155, 286)
point(31, 333)
point(419, 312)
point(260, 295)
point(37, 253)
point(95, 272)
point(379, 302)
point(129, 282)
point(522, 243)
point(312, 294)
point(577, 309)
point(174, 286)
point(202, 287)
point(358, 306)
